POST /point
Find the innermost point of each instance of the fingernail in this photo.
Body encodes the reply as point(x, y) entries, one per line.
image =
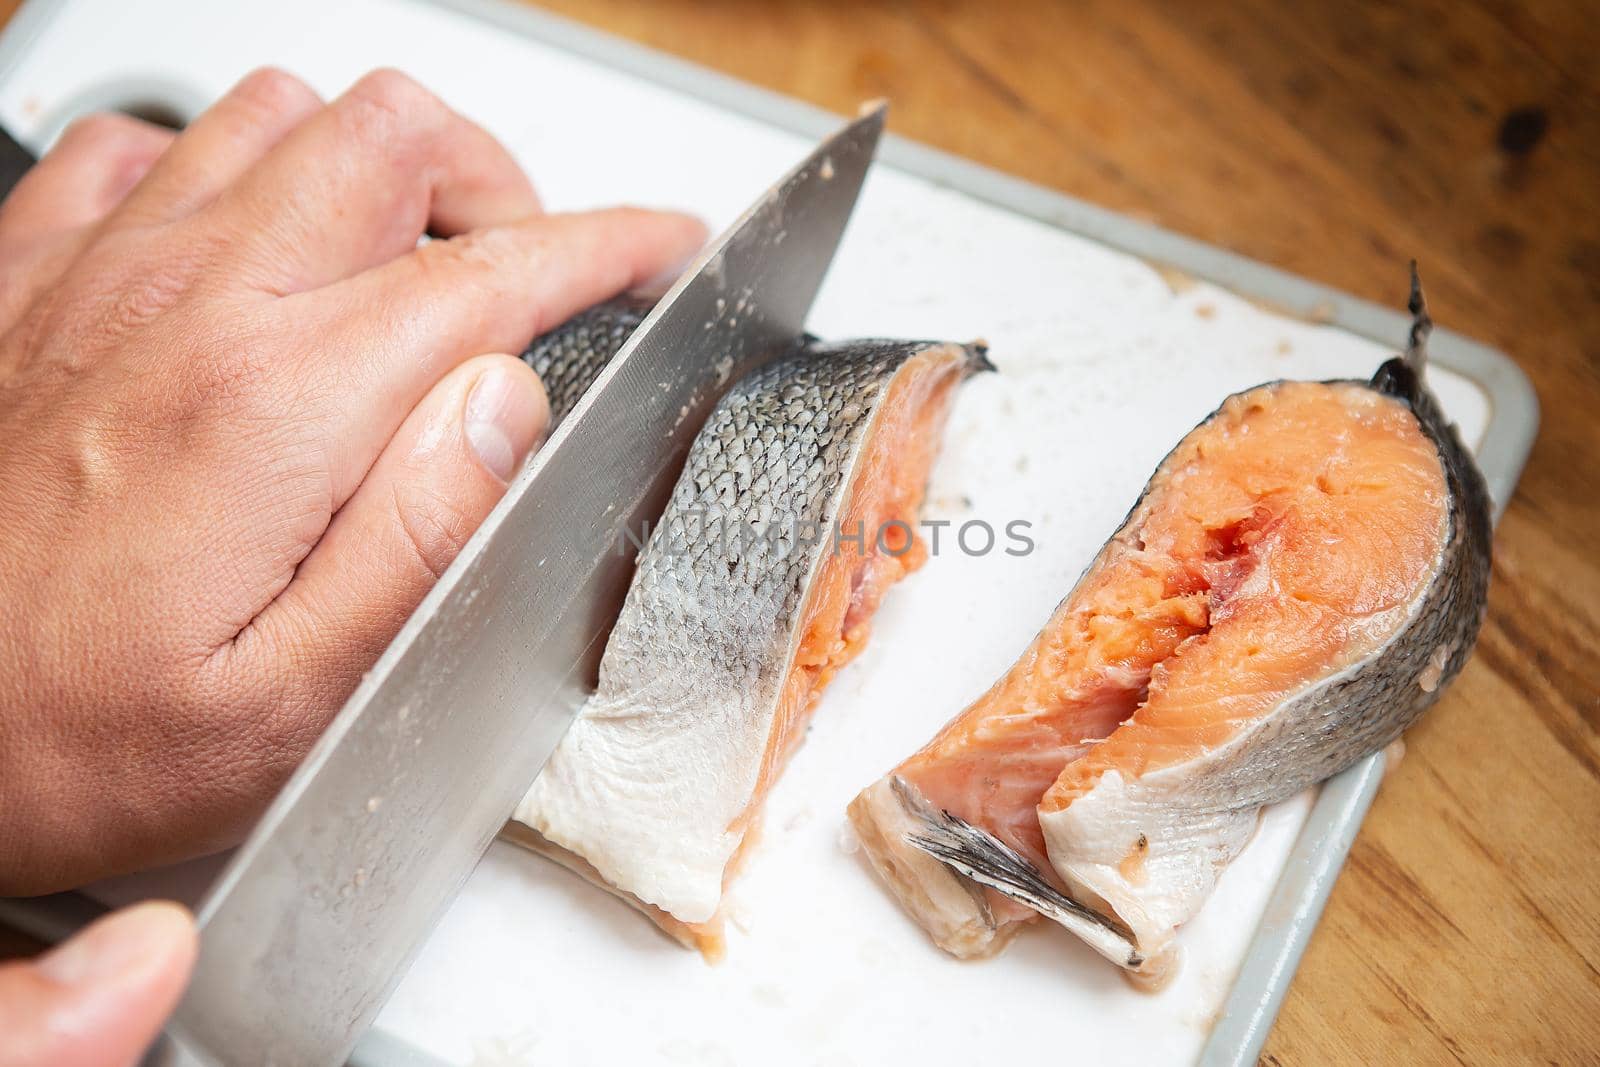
point(505, 415)
point(123, 946)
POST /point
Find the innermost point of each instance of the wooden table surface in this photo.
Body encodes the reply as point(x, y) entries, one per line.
point(1335, 141)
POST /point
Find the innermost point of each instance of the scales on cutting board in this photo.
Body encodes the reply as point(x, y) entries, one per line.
point(1105, 362)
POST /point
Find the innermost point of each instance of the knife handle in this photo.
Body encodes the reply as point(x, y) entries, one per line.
point(15, 161)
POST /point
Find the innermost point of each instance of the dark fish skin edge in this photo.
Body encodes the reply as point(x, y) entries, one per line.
point(710, 620)
point(1345, 717)
point(570, 357)
point(1351, 714)
point(1454, 605)
point(1363, 709)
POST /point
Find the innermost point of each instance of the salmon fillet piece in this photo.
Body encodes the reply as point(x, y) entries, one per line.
point(1300, 577)
point(1273, 512)
point(725, 645)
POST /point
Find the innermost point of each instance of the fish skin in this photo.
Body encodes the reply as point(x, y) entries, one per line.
point(709, 634)
point(1376, 699)
point(1195, 817)
point(570, 357)
point(1189, 820)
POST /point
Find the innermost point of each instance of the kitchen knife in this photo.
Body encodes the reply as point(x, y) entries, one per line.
point(319, 912)
point(15, 161)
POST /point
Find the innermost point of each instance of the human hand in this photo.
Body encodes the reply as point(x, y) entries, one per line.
point(99, 999)
point(245, 423)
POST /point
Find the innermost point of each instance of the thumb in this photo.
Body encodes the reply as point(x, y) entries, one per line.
point(441, 474)
point(99, 999)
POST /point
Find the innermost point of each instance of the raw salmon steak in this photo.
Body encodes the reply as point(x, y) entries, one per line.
point(795, 511)
point(1299, 579)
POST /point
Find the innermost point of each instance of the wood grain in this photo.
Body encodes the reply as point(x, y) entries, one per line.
point(1336, 140)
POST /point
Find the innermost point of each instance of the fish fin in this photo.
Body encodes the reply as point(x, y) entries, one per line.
point(1402, 375)
point(990, 862)
point(978, 355)
point(1416, 355)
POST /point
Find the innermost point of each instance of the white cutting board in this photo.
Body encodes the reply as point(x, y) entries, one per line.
point(1103, 368)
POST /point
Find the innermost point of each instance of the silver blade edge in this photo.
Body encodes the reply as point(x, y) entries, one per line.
point(320, 912)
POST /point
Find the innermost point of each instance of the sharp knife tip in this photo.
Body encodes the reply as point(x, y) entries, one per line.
point(876, 109)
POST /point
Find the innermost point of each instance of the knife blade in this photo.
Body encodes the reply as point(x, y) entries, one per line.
point(320, 911)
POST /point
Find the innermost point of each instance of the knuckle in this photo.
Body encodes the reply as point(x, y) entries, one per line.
point(143, 285)
point(486, 252)
point(271, 91)
point(487, 266)
point(102, 128)
point(164, 309)
point(144, 295)
point(394, 96)
point(435, 528)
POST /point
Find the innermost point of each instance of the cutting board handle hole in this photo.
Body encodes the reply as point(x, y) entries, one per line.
point(153, 99)
point(156, 112)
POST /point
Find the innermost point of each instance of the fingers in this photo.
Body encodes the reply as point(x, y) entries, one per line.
point(359, 182)
point(400, 326)
point(77, 183)
point(216, 148)
point(86, 174)
point(442, 473)
point(48, 216)
point(143, 174)
point(99, 999)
